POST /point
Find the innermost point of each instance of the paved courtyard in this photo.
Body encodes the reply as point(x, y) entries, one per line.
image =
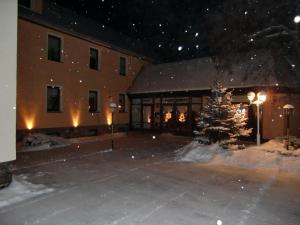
point(140, 183)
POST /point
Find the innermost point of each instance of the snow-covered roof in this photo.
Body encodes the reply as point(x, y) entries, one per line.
point(251, 69)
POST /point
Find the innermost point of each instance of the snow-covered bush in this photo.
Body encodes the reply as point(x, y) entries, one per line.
point(220, 120)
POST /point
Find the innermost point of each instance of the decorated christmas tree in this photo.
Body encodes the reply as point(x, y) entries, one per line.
point(221, 121)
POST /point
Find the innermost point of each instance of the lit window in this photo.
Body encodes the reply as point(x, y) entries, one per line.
point(122, 103)
point(54, 48)
point(53, 99)
point(93, 101)
point(122, 66)
point(94, 59)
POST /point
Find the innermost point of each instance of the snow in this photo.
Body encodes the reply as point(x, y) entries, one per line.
point(21, 190)
point(114, 189)
point(41, 142)
point(270, 155)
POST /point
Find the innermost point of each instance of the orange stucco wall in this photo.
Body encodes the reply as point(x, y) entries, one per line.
point(73, 75)
point(274, 119)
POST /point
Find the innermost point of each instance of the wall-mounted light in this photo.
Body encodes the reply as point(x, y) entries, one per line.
point(182, 118)
point(168, 116)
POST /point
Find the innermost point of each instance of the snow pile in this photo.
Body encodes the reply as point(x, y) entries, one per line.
point(200, 153)
point(101, 137)
point(271, 155)
point(20, 190)
point(38, 142)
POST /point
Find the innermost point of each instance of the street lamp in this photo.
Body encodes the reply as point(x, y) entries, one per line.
point(112, 107)
point(297, 19)
point(261, 97)
point(288, 110)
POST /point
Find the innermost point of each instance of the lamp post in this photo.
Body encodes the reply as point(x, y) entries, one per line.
point(112, 107)
point(260, 99)
point(288, 109)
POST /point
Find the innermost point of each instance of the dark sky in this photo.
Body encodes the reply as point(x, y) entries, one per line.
point(184, 29)
point(164, 24)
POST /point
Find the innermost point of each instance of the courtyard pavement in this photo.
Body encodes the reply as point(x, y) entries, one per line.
point(140, 183)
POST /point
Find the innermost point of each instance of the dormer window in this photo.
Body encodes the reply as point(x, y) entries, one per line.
point(25, 3)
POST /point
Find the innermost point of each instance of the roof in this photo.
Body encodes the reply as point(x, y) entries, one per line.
point(56, 16)
point(251, 69)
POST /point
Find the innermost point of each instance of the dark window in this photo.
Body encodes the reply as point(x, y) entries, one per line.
point(54, 48)
point(93, 58)
point(53, 99)
point(93, 101)
point(25, 3)
point(122, 66)
point(122, 103)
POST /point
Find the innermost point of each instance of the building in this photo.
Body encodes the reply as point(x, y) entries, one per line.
point(69, 69)
point(166, 97)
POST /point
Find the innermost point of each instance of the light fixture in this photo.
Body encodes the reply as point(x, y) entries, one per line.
point(261, 97)
point(297, 19)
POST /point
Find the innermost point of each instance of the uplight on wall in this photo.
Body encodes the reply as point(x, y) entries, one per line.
point(76, 118)
point(108, 118)
point(29, 121)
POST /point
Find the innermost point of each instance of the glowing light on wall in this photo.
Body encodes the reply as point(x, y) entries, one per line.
point(149, 119)
point(29, 121)
point(182, 118)
point(75, 118)
point(168, 116)
point(108, 118)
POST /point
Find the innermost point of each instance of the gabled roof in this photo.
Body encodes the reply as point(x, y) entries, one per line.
point(251, 69)
point(58, 17)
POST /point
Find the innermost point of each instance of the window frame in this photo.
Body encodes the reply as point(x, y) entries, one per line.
point(97, 101)
point(60, 50)
point(122, 109)
point(60, 95)
point(98, 58)
point(123, 73)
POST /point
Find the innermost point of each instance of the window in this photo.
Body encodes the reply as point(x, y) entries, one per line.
point(93, 101)
point(94, 59)
point(122, 103)
point(25, 3)
point(122, 66)
point(53, 99)
point(54, 48)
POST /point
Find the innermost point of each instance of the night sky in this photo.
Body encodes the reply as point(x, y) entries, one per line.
point(184, 29)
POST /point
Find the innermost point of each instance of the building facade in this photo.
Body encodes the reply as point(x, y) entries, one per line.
point(169, 97)
point(66, 76)
point(70, 68)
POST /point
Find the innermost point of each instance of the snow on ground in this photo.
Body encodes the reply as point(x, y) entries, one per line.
point(20, 190)
point(39, 142)
point(102, 137)
point(270, 155)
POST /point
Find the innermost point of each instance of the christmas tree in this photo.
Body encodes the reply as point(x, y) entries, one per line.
point(221, 121)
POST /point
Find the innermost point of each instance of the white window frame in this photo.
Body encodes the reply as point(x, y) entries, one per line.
point(61, 46)
point(61, 109)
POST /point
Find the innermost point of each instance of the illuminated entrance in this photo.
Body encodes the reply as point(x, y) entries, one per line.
point(174, 114)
